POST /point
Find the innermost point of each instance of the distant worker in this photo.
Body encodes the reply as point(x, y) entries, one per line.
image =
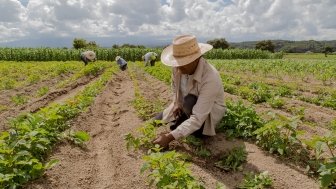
point(150, 58)
point(121, 62)
point(88, 56)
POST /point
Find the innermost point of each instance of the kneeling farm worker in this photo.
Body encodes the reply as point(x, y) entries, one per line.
point(198, 104)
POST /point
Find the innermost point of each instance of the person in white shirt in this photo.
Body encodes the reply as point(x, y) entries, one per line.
point(88, 56)
point(198, 104)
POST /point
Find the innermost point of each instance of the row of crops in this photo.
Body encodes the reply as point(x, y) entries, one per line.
point(24, 148)
point(129, 54)
point(172, 169)
point(277, 133)
point(21, 82)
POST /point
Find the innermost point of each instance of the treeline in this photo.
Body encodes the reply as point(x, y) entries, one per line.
point(292, 46)
point(129, 54)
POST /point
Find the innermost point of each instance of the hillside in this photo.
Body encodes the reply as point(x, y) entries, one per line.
point(291, 46)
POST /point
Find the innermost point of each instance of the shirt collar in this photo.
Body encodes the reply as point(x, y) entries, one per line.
point(199, 70)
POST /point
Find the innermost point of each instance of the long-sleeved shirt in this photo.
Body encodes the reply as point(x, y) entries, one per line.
point(89, 55)
point(121, 62)
point(149, 56)
point(209, 109)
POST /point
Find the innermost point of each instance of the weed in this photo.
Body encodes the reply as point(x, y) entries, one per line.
point(42, 91)
point(233, 160)
point(276, 102)
point(19, 100)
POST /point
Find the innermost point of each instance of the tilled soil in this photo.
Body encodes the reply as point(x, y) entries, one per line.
point(105, 162)
point(34, 104)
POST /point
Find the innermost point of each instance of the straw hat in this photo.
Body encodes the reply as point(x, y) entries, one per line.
point(184, 50)
point(90, 55)
point(117, 58)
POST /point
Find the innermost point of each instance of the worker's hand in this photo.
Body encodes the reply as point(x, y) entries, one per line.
point(177, 112)
point(164, 139)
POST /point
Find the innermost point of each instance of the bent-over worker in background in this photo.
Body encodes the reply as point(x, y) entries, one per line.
point(149, 58)
point(88, 56)
point(121, 62)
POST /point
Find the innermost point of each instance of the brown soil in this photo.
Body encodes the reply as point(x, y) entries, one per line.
point(105, 163)
point(34, 104)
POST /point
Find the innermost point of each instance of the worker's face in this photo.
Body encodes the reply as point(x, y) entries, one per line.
point(189, 68)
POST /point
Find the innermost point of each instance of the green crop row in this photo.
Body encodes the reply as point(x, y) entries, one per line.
point(24, 148)
point(279, 135)
point(129, 54)
point(323, 70)
point(15, 74)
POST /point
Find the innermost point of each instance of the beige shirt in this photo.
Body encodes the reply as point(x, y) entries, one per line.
point(209, 108)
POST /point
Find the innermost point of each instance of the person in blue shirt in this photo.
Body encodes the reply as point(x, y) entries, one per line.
point(88, 56)
point(121, 62)
point(150, 58)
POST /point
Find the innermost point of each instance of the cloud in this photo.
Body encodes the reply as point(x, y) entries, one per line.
point(11, 11)
point(236, 20)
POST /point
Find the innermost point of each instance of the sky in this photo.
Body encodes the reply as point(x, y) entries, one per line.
point(55, 23)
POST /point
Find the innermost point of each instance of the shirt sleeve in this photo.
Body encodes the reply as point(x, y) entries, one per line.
point(200, 111)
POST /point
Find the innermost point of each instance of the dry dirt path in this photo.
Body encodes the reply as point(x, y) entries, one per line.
point(107, 164)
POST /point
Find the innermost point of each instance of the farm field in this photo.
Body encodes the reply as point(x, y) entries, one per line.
point(280, 126)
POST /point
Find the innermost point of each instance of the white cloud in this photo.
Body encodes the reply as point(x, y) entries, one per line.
point(236, 20)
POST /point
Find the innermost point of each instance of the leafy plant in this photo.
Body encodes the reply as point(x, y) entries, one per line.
point(19, 99)
point(298, 111)
point(240, 121)
point(327, 173)
point(256, 181)
point(276, 102)
point(200, 150)
point(233, 160)
point(78, 137)
point(42, 91)
point(147, 135)
point(260, 93)
point(169, 170)
point(193, 141)
point(203, 152)
point(324, 147)
point(279, 135)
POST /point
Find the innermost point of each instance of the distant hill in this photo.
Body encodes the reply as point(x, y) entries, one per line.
point(291, 46)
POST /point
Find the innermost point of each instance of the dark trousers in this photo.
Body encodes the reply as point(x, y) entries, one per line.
point(85, 60)
point(124, 67)
point(188, 104)
point(152, 62)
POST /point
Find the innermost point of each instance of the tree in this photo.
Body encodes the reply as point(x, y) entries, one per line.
point(327, 50)
point(115, 46)
point(79, 43)
point(92, 45)
point(219, 43)
point(265, 45)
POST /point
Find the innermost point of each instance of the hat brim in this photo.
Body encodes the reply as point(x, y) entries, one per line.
point(168, 59)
